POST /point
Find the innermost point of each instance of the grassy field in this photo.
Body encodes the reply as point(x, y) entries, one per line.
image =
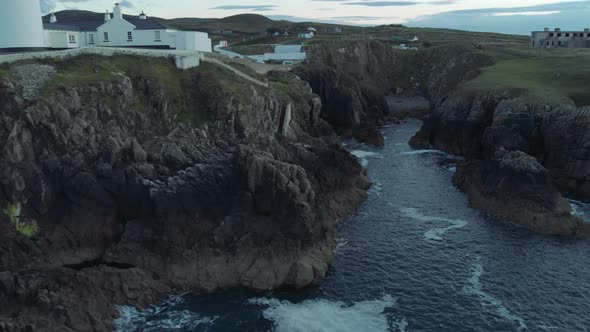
point(549, 76)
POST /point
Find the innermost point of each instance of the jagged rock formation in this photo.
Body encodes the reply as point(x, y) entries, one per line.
point(134, 200)
point(514, 186)
point(356, 79)
point(479, 126)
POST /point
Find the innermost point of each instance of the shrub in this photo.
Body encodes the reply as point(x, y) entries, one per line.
point(13, 211)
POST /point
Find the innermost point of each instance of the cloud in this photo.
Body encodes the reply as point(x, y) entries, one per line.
point(570, 15)
point(538, 13)
point(126, 4)
point(390, 3)
point(247, 7)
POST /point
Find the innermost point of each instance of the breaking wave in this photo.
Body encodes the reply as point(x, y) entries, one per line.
point(579, 209)
point(328, 316)
point(161, 318)
point(364, 156)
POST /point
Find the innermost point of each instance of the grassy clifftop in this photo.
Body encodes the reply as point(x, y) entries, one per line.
point(549, 76)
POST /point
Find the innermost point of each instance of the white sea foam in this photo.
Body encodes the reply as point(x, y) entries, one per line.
point(578, 209)
point(434, 234)
point(327, 316)
point(487, 300)
point(160, 318)
point(364, 156)
point(340, 243)
point(376, 189)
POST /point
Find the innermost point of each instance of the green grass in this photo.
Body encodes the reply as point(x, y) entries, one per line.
point(92, 69)
point(13, 211)
point(554, 76)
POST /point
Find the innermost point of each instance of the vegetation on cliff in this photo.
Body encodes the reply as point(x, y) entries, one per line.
point(542, 76)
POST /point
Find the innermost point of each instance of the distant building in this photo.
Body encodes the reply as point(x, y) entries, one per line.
point(307, 35)
point(405, 47)
point(285, 54)
point(558, 38)
point(115, 31)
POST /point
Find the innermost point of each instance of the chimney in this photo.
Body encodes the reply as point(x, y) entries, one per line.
point(546, 29)
point(586, 29)
point(52, 18)
point(107, 16)
point(117, 13)
point(142, 16)
point(557, 30)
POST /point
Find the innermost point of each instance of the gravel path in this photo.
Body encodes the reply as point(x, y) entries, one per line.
point(32, 77)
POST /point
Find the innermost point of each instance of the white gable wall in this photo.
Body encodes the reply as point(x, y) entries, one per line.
point(193, 41)
point(60, 39)
point(117, 30)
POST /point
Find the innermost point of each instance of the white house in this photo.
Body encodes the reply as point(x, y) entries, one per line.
point(117, 31)
point(307, 35)
point(21, 28)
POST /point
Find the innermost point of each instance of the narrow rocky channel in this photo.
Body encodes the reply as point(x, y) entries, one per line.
point(414, 258)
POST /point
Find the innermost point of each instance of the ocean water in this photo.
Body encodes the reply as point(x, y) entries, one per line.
point(414, 258)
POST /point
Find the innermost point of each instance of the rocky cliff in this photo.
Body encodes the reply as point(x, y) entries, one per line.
point(480, 126)
point(125, 187)
point(363, 84)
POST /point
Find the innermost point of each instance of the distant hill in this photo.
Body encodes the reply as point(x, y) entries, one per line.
point(246, 24)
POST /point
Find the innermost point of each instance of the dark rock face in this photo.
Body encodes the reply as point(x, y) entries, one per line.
point(478, 127)
point(132, 203)
point(357, 80)
point(514, 186)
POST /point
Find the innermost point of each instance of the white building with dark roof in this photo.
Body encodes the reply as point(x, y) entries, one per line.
point(21, 28)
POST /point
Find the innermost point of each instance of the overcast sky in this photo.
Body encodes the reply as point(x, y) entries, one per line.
point(508, 16)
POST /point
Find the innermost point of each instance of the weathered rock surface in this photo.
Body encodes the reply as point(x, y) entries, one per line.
point(132, 202)
point(479, 126)
point(514, 186)
point(365, 84)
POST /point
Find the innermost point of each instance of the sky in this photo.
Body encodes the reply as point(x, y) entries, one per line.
point(505, 16)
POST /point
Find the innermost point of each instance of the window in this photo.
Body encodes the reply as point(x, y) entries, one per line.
point(588, 35)
point(106, 37)
point(547, 43)
point(552, 43)
point(559, 34)
point(559, 43)
point(129, 36)
point(157, 36)
point(567, 34)
point(551, 34)
point(72, 39)
point(91, 38)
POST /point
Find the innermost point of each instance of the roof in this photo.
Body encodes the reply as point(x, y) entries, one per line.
point(61, 27)
point(148, 24)
point(86, 25)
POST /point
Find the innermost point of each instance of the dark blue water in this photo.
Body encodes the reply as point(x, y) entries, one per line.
point(415, 258)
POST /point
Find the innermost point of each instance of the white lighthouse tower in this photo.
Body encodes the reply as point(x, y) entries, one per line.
point(21, 27)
